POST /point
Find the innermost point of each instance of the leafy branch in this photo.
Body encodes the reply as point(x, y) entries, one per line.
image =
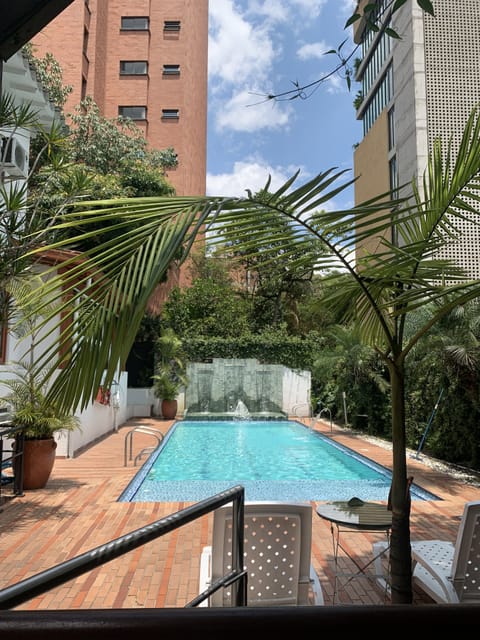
point(375, 17)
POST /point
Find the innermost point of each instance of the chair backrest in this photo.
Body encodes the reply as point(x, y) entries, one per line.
point(277, 551)
point(466, 559)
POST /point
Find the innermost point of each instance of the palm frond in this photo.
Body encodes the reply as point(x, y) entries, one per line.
point(106, 292)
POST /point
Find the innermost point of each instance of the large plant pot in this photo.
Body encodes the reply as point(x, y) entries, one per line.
point(38, 460)
point(169, 409)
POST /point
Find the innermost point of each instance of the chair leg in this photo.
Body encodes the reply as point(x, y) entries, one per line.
point(381, 575)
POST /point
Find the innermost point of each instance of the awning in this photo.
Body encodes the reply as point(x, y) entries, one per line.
point(21, 20)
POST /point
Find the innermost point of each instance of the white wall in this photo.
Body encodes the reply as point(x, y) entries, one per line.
point(142, 403)
point(296, 393)
point(96, 421)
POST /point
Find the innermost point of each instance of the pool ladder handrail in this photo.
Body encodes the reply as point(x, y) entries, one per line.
point(318, 416)
point(128, 446)
point(296, 407)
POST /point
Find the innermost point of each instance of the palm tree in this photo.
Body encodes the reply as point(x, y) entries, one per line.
point(108, 292)
point(346, 362)
point(446, 376)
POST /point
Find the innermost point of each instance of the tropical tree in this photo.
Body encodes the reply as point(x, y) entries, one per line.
point(442, 391)
point(98, 158)
point(346, 365)
point(211, 306)
point(108, 291)
point(274, 285)
point(24, 225)
point(50, 74)
point(112, 144)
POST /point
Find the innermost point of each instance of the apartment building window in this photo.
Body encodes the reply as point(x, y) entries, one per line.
point(171, 69)
point(133, 67)
point(134, 24)
point(171, 25)
point(379, 15)
point(134, 113)
point(379, 100)
point(86, 34)
point(391, 129)
point(170, 114)
point(377, 59)
point(392, 165)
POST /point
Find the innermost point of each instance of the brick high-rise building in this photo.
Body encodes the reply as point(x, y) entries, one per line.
point(146, 59)
point(414, 90)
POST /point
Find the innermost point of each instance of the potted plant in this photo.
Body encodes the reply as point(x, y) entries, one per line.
point(169, 376)
point(41, 418)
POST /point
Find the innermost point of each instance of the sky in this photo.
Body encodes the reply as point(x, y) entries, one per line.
point(261, 47)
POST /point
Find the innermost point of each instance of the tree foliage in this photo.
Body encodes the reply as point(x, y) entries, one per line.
point(210, 306)
point(445, 370)
point(274, 284)
point(348, 373)
point(24, 225)
point(50, 74)
point(112, 144)
point(378, 294)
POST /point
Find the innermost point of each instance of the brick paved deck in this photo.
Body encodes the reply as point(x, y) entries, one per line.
point(78, 510)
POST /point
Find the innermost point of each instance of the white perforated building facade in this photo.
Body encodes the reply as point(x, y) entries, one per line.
point(416, 89)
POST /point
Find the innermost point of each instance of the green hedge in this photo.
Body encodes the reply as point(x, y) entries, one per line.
point(291, 351)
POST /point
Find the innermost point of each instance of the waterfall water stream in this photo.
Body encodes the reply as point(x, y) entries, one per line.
point(234, 387)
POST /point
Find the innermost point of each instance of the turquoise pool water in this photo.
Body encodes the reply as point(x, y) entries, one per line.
point(273, 460)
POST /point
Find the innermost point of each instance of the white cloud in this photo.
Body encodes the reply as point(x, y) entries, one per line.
point(316, 50)
point(257, 47)
point(348, 7)
point(247, 174)
point(333, 82)
point(286, 10)
point(246, 112)
point(244, 45)
point(311, 8)
point(238, 52)
point(273, 10)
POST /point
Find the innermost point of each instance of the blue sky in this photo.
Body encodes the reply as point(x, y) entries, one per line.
point(258, 47)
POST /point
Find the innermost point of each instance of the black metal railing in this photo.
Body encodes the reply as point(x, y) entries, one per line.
point(27, 589)
point(11, 456)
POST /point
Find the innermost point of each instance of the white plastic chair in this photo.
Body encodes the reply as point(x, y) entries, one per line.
point(447, 573)
point(277, 552)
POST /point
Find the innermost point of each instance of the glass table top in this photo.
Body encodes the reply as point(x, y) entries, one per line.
point(357, 514)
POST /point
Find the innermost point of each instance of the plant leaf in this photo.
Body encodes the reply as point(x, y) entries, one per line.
point(352, 19)
point(427, 6)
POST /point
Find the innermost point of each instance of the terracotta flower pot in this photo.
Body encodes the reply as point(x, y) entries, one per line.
point(169, 409)
point(38, 460)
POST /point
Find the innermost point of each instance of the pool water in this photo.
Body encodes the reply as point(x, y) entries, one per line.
point(273, 460)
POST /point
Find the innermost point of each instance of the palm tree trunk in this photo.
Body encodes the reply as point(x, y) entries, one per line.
point(399, 498)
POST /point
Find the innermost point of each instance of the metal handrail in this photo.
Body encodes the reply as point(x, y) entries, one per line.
point(302, 404)
point(129, 440)
point(318, 416)
point(14, 457)
point(59, 574)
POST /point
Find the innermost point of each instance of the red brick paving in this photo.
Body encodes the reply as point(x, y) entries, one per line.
point(78, 510)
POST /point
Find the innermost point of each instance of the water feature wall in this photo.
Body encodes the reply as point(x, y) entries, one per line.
point(245, 388)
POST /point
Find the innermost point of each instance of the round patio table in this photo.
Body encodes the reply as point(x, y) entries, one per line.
point(355, 515)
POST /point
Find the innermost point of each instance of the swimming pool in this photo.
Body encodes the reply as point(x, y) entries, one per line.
point(273, 460)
